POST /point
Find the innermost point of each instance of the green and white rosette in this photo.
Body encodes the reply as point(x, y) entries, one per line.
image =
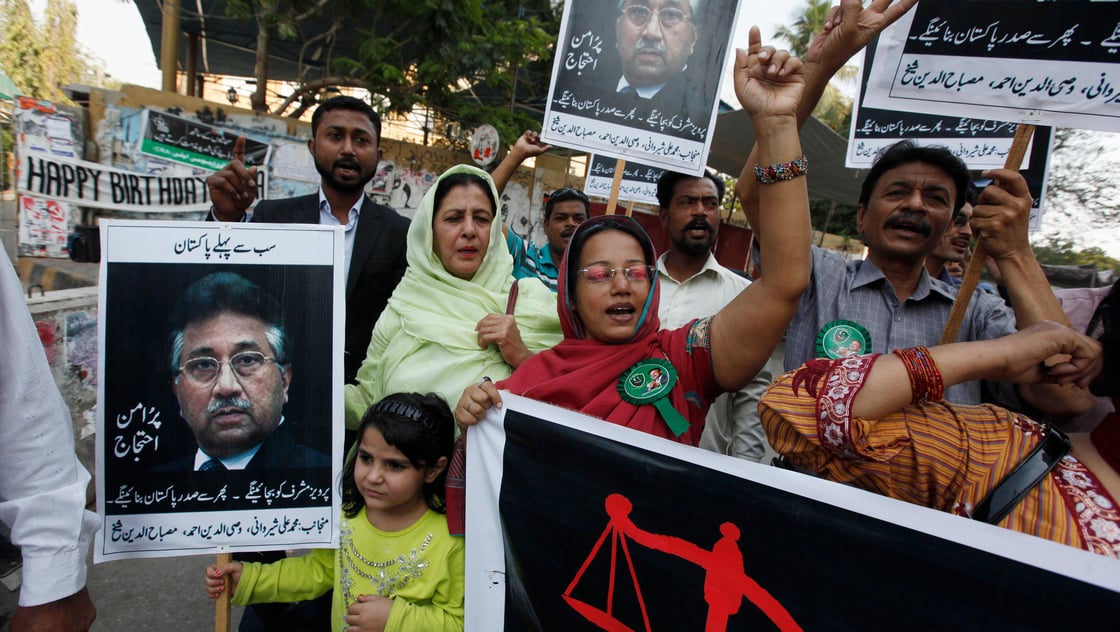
point(649, 382)
point(843, 339)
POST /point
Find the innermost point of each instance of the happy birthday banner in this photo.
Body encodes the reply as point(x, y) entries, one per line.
point(98, 186)
point(575, 523)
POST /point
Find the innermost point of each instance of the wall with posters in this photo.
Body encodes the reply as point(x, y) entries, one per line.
point(67, 324)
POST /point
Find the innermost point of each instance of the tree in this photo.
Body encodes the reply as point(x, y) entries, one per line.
point(465, 61)
point(20, 49)
point(834, 108)
point(41, 59)
point(1063, 252)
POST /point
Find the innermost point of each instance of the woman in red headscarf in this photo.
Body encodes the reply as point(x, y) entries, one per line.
point(614, 361)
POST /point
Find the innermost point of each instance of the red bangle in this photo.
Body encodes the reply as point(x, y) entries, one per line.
point(926, 383)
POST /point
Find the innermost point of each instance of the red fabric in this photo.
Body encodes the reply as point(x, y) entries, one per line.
point(582, 374)
point(456, 490)
point(1106, 439)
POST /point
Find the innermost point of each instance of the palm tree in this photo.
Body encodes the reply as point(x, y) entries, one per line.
point(835, 108)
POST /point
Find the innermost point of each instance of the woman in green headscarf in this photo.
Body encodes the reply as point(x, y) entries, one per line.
point(446, 325)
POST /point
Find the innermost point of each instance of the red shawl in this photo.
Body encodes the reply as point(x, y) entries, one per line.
point(582, 373)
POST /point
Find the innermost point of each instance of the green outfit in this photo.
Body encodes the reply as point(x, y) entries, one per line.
point(425, 340)
point(420, 567)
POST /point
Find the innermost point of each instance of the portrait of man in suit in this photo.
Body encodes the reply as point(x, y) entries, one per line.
point(229, 357)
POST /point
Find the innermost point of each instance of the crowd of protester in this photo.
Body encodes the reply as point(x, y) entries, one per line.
point(455, 308)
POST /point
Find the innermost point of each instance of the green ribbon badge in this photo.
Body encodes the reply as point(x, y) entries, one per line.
point(649, 382)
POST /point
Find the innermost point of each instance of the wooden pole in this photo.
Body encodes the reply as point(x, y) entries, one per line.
point(616, 184)
point(221, 612)
point(979, 256)
point(169, 45)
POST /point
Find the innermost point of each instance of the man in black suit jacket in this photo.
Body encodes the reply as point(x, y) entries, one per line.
point(344, 144)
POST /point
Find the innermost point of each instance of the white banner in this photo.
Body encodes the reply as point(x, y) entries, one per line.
point(1046, 63)
point(95, 185)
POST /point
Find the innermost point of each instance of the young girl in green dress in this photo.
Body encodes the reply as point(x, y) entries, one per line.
point(396, 568)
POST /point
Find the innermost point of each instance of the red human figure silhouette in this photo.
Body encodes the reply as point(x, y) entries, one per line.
point(725, 583)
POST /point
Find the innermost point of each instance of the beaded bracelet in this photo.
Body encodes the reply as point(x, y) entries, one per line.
point(925, 376)
point(781, 171)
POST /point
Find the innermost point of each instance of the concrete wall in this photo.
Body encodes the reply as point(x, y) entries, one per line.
point(67, 325)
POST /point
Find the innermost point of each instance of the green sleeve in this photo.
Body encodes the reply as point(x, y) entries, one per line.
point(370, 378)
point(444, 612)
point(291, 579)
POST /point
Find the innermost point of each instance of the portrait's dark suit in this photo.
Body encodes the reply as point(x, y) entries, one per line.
point(376, 266)
point(278, 452)
point(674, 98)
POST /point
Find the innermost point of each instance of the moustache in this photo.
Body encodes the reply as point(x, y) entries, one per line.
point(228, 402)
point(650, 46)
point(911, 221)
point(347, 162)
point(698, 224)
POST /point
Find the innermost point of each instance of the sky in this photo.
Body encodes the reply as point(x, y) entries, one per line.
point(112, 30)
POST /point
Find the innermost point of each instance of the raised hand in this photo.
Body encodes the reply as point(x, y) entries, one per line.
point(849, 27)
point(233, 188)
point(768, 82)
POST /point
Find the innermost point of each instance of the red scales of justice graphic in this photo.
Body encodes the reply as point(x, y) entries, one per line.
point(725, 581)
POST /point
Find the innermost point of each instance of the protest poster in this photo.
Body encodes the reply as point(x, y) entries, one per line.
point(979, 143)
point(1044, 63)
point(43, 227)
point(195, 143)
point(575, 523)
point(619, 93)
point(639, 181)
point(226, 337)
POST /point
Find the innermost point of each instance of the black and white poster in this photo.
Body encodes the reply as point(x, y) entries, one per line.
point(640, 80)
point(219, 391)
point(1044, 63)
point(638, 184)
point(577, 524)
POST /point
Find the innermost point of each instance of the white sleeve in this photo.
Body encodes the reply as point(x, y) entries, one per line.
point(42, 484)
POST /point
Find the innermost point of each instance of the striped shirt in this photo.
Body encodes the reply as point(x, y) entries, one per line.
point(937, 455)
point(530, 261)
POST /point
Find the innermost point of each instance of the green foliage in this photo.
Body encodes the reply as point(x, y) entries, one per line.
point(834, 108)
point(41, 58)
point(1062, 251)
point(808, 23)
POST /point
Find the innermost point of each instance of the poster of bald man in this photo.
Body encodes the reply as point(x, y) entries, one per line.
point(640, 79)
point(219, 387)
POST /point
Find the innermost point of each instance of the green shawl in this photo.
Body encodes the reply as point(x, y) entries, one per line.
point(425, 340)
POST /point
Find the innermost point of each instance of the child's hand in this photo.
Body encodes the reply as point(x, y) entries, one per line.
point(369, 613)
point(216, 578)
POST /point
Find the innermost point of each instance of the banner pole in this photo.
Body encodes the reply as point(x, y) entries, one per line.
point(979, 256)
point(221, 609)
point(616, 184)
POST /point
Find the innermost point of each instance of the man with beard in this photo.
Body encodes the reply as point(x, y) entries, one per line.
point(695, 285)
point(954, 246)
point(344, 145)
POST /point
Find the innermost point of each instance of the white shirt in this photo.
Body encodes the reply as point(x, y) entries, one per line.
point(326, 218)
point(42, 484)
point(732, 425)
